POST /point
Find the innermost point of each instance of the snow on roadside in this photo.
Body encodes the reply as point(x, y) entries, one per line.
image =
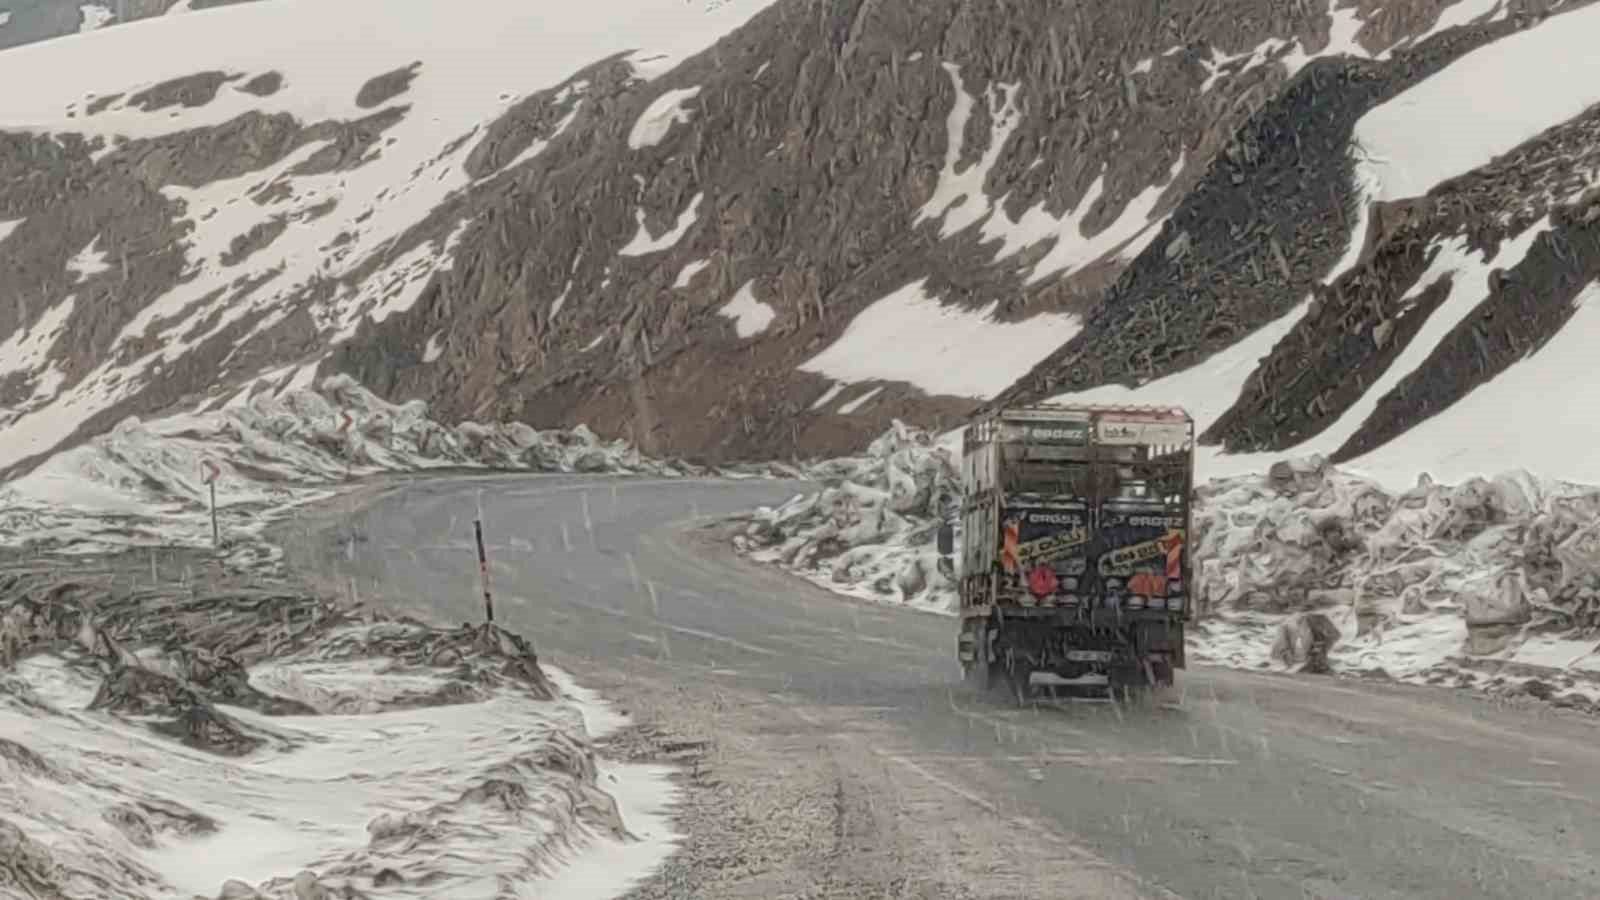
point(143, 483)
point(869, 532)
point(1469, 584)
point(173, 734)
point(95, 17)
point(184, 743)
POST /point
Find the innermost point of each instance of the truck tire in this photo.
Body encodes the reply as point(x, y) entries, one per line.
point(983, 674)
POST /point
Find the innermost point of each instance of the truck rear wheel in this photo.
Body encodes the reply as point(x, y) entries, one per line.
point(981, 673)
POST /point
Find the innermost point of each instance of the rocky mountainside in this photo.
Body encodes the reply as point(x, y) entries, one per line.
point(742, 228)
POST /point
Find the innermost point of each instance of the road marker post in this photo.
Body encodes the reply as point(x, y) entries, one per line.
point(483, 570)
point(216, 531)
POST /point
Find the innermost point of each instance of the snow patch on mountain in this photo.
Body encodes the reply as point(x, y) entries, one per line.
point(938, 348)
point(750, 316)
point(667, 110)
point(27, 351)
point(643, 243)
point(1395, 159)
point(688, 272)
point(829, 395)
point(1539, 412)
point(1484, 104)
point(866, 397)
point(959, 197)
point(89, 262)
point(1072, 249)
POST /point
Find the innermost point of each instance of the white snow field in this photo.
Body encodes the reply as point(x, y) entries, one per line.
point(477, 58)
point(912, 337)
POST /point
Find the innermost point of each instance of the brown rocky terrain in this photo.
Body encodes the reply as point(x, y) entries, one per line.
point(809, 165)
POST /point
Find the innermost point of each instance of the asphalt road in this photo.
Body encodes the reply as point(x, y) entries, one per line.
point(1248, 785)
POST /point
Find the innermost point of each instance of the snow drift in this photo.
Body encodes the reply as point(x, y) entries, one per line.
point(203, 723)
point(1436, 583)
point(168, 742)
point(144, 483)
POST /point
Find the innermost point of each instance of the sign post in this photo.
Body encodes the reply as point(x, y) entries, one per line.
point(211, 480)
point(483, 570)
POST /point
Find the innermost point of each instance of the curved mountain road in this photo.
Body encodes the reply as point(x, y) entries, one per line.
point(833, 753)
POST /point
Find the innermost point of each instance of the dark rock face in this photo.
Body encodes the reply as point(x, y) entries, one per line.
point(383, 88)
point(264, 85)
point(192, 90)
point(1269, 219)
point(144, 822)
point(1355, 329)
point(26, 865)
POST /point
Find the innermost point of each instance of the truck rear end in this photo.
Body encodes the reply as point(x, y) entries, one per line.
point(1075, 561)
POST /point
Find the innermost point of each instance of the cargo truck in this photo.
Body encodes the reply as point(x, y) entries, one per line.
point(1075, 567)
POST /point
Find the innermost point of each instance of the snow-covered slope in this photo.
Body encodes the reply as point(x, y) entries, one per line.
point(333, 209)
point(801, 220)
point(1485, 176)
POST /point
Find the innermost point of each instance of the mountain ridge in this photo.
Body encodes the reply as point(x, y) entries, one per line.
point(805, 220)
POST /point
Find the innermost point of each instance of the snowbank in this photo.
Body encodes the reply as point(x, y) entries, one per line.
point(1493, 582)
point(263, 743)
point(144, 483)
point(214, 728)
point(870, 532)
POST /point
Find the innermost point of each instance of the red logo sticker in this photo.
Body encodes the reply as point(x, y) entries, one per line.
point(1042, 581)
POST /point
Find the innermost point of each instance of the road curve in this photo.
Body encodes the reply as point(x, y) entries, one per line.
point(1250, 785)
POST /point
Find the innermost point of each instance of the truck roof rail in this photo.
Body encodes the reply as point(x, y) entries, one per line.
point(1165, 409)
